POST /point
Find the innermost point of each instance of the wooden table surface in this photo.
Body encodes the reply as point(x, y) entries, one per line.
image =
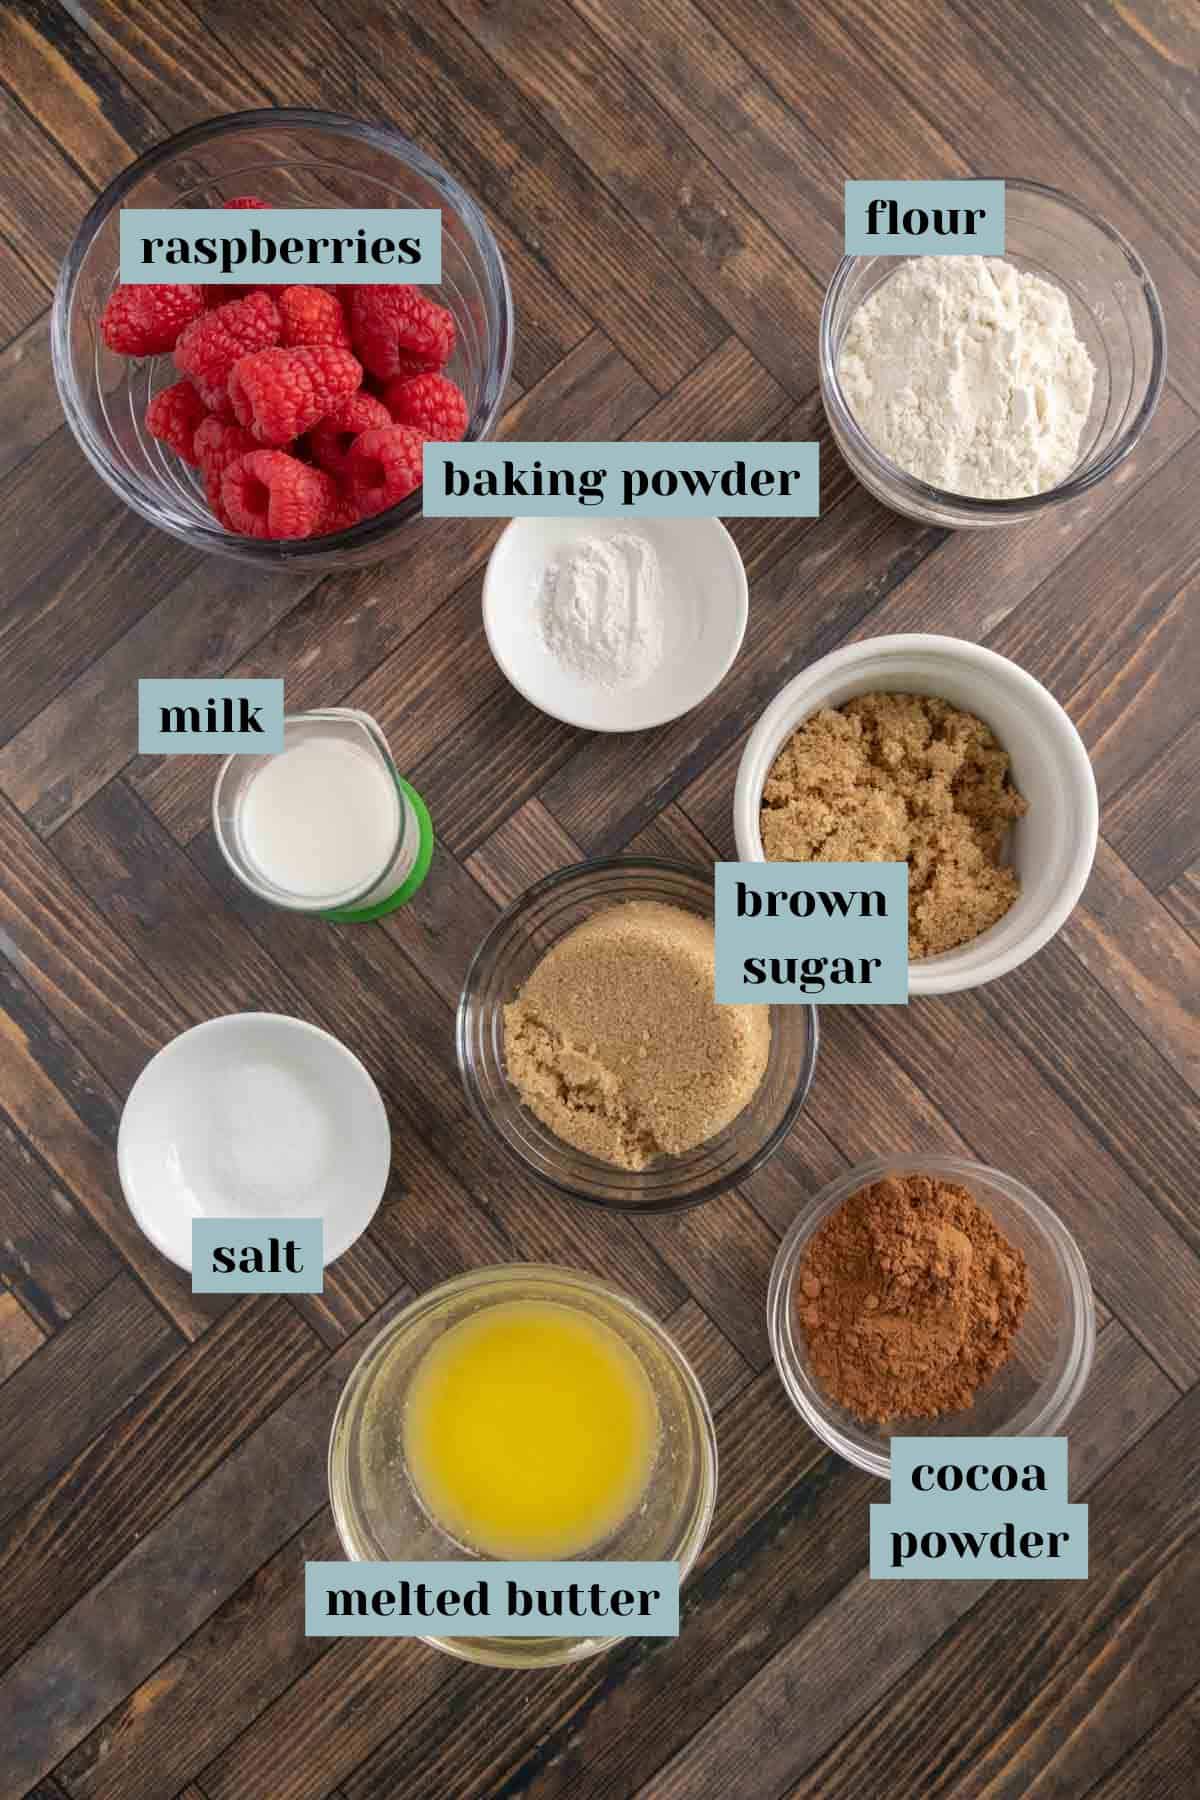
point(665, 178)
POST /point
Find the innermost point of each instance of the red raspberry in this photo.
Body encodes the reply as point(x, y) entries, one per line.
point(278, 394)
point(343, 512)
point(331, 438)
point(217, 446)
point(211, 345)
point(311, 316)
point(386, 320)
point(411, 363)
point(385, 466)
point(432, 403)
point(146, 318)
point(172, 417)
point(270, 494)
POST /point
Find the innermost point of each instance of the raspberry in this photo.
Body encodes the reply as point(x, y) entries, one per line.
point(211, 345)
point(410, 363)
point(430, 402)
point(146, 318)
point(269, 494)
point(217, 445)
point(343, 512)
point(278, 394)
point(245, 203)
point(331, 438)
point(172, 417)
point(385, 466)
point(311, 316)
point(387, 320)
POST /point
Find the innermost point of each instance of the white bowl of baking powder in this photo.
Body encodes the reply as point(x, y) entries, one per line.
point(615, 624)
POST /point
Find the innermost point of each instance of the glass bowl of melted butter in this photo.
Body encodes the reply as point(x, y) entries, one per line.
point(523, 1413)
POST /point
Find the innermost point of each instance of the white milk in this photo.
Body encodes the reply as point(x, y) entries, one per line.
point(321, 819)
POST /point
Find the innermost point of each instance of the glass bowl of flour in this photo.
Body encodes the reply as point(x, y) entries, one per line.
point(969, 391)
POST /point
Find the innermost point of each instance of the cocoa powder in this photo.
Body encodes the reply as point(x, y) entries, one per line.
point(908, 1299)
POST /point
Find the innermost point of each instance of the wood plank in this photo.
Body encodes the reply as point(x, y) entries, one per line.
point(154, 1449)
point(736, 119)
point(122, 1628)
point(1151, 821)
point(1182, 899)
point(1113, 107)
point(77, 962)
point(830, 72)
point(1121, 579)
point(54, 1098)
point(241, 1659)
point(1163, 1762)
point(1145, 961)
point(359, 623)
point(796, 1710)
point(1063, 1019)
point(718, 241)
point(20, 1335)
point(204, 625)
point(32, 410)
point(43, 198)
point(1132, 708)
point(721, 1370)
point(82, 568)
point(51, 1255)
point(1162, 37)
point(75, 94)
point(56, 1403)
point(528, 845)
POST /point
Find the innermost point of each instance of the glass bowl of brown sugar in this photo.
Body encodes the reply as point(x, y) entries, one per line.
point(905, 1280)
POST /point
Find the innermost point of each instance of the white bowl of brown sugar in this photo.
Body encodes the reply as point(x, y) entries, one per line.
point(942, 754)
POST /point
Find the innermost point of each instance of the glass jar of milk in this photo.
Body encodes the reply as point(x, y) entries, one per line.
point(327, 824)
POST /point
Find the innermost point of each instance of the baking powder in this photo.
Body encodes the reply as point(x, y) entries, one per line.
point(968, 373)
point(601, 609)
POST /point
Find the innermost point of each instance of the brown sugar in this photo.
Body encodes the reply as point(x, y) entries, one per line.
point(909, 1299)
point(617, 1045)
point(902, 778)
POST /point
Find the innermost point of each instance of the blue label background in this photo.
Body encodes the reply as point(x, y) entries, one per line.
point(154, 693)
point(661, 1621)
point(802, 502)
point(818, 936)
point(987, 239)
point(964, 1510)
point(255, 1234)
point(278, 223)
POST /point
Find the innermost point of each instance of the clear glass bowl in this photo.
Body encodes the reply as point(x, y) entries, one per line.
point(1116, 312)
point(291, 157)
point(1031, 1396)
point(376, 1509)
point(516, 943)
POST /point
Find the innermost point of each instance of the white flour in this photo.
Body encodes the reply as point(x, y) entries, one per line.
point(968, 373)
point(601, 609)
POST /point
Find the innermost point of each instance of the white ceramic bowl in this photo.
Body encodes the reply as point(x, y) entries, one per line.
point(1052, 845)
point(249, 1116)
point(706, 604)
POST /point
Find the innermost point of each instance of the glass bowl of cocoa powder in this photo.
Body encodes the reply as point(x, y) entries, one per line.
point(929, 1297)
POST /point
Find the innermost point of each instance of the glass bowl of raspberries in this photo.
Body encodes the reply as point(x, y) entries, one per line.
point(280, 423)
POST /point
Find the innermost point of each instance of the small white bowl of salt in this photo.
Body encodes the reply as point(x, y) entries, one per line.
point(615, 624)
